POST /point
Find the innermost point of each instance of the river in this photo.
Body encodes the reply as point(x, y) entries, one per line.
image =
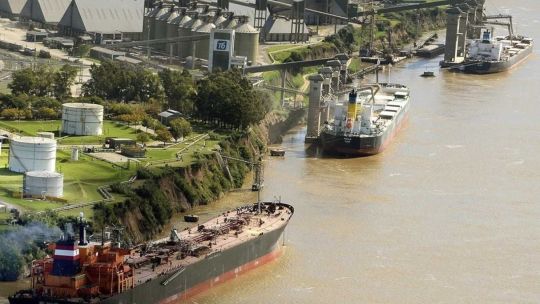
point(449, 213)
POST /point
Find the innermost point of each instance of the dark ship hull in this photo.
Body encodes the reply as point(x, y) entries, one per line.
point(362, 146)
point(180, 284)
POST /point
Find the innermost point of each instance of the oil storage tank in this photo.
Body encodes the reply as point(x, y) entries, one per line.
point(246, 41)
point(82, 119)
point(32, 154)
point(43, 183)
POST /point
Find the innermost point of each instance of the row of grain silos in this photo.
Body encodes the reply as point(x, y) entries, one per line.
point(169, 21)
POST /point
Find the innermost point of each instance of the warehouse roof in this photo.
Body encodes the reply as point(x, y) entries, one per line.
point(45, 11)
point(105, 16)
point(12, 6)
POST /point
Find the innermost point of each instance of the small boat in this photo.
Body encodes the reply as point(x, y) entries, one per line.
point(277, 152)
point(191, 218)
point(428, 74)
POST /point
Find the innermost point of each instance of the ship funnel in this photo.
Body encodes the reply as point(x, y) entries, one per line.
point(352, 96)
point(82, 230)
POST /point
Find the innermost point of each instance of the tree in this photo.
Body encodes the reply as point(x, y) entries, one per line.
point(179, 89)
point(47, 113)
point(163, 135)
point(11, 114)
point(230, 99)
point(24, 82)
point(180, 128)
point(63, 80)
point(143, 137)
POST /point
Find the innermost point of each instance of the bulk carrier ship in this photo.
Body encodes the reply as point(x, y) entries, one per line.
point(368, 121)
point(492, 55)
point(164, 271)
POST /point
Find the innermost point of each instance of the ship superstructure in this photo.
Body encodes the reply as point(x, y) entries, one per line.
point(163, 271)
point(366, 123)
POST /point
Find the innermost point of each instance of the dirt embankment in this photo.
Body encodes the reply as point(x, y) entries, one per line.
point(169, 190)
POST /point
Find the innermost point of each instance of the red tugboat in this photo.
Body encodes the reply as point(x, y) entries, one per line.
point(164, 271)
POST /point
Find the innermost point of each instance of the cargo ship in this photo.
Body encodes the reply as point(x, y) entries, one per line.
point(169, 270)
point(367, 122)
point(492, 55)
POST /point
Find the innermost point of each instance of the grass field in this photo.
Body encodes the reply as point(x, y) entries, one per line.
point(30, 128)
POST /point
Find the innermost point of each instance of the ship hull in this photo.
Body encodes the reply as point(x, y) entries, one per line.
point(490, 67)
point(363, 146)
point(216, 268)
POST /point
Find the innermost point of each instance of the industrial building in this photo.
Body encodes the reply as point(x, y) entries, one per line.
point(45, 12)
point(11, 8)
point(278, 29)
point(32, 154)
point(43, 184)
point(105, 21)
point(82, 119)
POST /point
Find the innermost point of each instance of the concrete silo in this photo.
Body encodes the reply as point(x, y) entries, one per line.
point(148, 20)
point(43, 183)
point(180, 48)
point(32, 154)
point(203, 46)
point(82, 119)
point(188, 31)
point(246, 41)
point(153, 21)
point(162, 25)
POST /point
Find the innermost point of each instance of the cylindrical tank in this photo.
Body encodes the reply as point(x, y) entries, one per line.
point(246, 41)
point(82, 119)
point(32, 154)
point(75, 153)
point(203, 45)
point(219, 20)
point(181, 32)
point(162, 24)
point(231, 23)
point(161, 10)
point(172, 29)
point(148, 20)
point(43, 183)
point(45, 134)
point(190, 28)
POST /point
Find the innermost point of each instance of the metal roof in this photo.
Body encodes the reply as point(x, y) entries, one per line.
point(105, 16)
point(280, 26)
point(45, 11)
point(12, 6)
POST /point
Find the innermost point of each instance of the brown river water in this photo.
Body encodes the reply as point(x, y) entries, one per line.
point(449, 213)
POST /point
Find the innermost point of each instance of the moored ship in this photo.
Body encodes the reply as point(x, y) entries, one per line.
point(164, 271)
point(492, 55)
point(368, 121)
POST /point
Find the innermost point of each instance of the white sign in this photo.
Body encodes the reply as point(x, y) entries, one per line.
point(221, 45)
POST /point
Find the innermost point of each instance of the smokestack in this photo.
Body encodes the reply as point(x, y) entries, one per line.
point(82, 231)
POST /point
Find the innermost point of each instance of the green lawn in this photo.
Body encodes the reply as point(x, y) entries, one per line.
point(30, 128)
point(81, 180)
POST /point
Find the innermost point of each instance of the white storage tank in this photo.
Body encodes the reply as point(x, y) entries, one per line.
point(43, 183)
point(82, 119)
point(32, 154)
point(246, 41)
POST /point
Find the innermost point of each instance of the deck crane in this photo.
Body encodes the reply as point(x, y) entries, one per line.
point(258, 181)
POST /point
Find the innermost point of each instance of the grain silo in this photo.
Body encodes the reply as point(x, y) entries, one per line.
point(161, 10)
point(188, 31)
point(180, 46)
point(43, 183)
point(162, 24)
point(219, 19)
point(246, 42)
point(231, 23)
point(147, 21)
point(203, 46)
point(172, 29)
point(32, 154)
point(82, 119)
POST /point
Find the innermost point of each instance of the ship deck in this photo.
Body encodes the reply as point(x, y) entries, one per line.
point(227, 238)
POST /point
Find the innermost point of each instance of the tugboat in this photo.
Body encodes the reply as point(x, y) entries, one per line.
point(366, 124)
